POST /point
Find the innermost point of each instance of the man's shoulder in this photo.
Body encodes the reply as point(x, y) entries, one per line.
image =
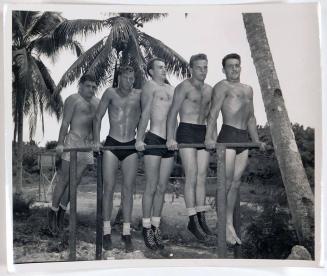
point(95, 100)
point(207, 87)
point(137, 92)
point(149, 85)
point(221, 85)
point(185, 84)
point(247, 88)
point(72, 99)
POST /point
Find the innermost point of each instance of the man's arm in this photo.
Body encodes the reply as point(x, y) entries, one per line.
point(69, 107)
point(146, 103)
point(101, 110)
point(217, 100)
point(252, 123)
point(179, 97)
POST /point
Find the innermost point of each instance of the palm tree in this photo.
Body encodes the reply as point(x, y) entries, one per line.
point(33, 86)
point(299, 194)
point(124, 44)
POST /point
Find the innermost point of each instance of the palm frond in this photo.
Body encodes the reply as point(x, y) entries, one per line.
point(53, 102)
point(175, 63)
point(80, 65)
point(18, 30)
point(99, 66)
point(140, 18)
point(68, 29)
point(44, 24)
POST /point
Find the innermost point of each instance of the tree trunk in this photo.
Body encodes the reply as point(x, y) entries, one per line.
point(18, 186)
point(299, 194)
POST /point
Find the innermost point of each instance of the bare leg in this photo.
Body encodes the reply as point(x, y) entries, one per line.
point(81, 168)
point(240, 165)
point(61, 184)
point(129, 168)
point(230, 168)
point(166, 167)
point(110, 166)
point(189, 158)
point(203, 163)
point(152, 170)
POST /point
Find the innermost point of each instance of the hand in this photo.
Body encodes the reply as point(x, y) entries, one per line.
point(59, 149)
point(172, 144)
point(139, 145)
point(210, 144)
point(263, 146)
point(96, 146)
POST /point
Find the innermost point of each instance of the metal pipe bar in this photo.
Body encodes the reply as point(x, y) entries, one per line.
point(72, 200)
point(221, 200)
point(99, 215)
point(227, 145)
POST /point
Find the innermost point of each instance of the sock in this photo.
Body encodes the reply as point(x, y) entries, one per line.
point(106, 227)
point(126, 228)
point(200, 208)
point(63, 207)
point(155, 221)
point(146, 222)
point(191, 211)
point(54, 208)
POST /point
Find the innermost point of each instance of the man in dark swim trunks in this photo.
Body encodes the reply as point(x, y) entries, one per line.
point(157, 97)
point(75, 131)
point(192, 102)
point(124, 110)
point(235, 100)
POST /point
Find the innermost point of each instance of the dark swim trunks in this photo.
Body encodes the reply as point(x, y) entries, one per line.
point(153, 139)
point(229, 134)
point(191, 134)
point(120, 154)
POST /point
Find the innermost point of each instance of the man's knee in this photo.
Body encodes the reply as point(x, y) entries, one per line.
point(236, 183)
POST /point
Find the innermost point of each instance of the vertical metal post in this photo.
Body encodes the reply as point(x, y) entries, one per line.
point(237, 225)
point(221, 200)
point(72, 200)
point(99, 216)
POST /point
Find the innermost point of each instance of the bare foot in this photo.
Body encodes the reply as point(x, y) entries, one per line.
point(231, 236)
point(230, 239)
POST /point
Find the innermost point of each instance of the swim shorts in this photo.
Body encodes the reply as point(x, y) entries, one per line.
point(153, 139)
point(191, 134)
point(73, 140)
point(120, 154)
point(229, 134)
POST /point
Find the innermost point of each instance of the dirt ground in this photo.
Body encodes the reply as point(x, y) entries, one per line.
point(34, 243)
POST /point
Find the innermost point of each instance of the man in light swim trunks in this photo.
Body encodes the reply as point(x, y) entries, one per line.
point(192, 102)
point(79, 111)
point(124, 111)
point(156, 99)
point(235, 100)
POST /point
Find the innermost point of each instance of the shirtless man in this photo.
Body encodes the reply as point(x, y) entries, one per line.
point(156, 99)
point(235, 100)
point(192, 102)
point(79, 110)
point(124, 110)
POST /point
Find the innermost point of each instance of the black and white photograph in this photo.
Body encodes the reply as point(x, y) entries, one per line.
point(165, 132)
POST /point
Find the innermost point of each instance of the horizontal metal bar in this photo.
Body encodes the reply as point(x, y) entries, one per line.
point(180, 146)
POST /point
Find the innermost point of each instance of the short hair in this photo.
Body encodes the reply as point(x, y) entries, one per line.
point(87, 77)
point(151, 63)
point(197, 57)
point(230, 56)
point(125, 69)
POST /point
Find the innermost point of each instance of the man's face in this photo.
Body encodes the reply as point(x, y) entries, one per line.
point(232, 69)
point(126, 80)
point(158, 70)
point(88, 88)
point(199, 69)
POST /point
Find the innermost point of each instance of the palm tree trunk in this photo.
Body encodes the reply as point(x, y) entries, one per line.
point(299, 194)
point(18, 187)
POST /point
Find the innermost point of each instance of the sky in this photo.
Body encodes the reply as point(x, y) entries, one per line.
point(293, 35)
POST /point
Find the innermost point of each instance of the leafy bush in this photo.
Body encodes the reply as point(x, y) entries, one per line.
point(270, 234)
point(51, 145)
